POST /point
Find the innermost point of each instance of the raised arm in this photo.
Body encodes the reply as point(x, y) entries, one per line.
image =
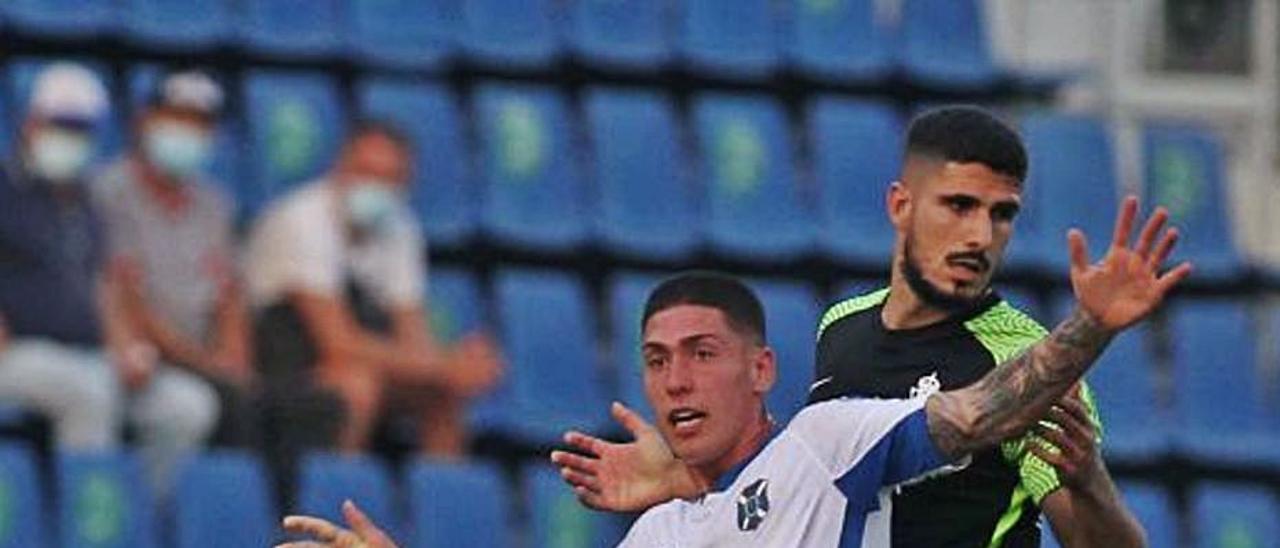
point(1112, 294)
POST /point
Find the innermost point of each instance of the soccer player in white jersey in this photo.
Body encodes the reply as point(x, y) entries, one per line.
point(823, 480)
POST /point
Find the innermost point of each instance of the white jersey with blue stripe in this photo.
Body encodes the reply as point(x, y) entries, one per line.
point(822, 481)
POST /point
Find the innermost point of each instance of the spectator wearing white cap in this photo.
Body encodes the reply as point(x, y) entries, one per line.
point(169, 233)
point(71, 354)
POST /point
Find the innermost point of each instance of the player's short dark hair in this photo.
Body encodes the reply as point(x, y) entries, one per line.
point(725, 293)
point(968, 134)
point(363, 127)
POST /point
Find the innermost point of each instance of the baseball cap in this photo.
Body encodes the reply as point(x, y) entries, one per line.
point(68, 92)
point(189, 90)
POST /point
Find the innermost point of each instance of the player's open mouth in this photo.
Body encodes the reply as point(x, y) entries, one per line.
point(972, 265)
point(685, 420)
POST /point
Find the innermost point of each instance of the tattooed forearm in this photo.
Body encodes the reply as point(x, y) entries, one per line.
point(1018, 392)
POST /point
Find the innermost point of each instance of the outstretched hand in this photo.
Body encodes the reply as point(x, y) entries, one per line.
point(624, 477)
point(1125, 285)
point(363, 533)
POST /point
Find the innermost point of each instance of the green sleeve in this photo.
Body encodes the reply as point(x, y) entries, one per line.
point(1036, 476)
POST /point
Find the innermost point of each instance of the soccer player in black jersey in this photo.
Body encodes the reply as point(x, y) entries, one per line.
point(939, 326)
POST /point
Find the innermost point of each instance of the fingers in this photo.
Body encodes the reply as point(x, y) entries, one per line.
point(314, 527)
point(589, 498)
point(1166, 282)
point(359, 522)
point(1079, 250)
point(585, 442)
point(1074, 420)
point(1054, 459)
point(1066, 446)
point(1150, 230)
point(629, 419)
point(578, 480)
point(1124, 221)
point(1163, 249)
point(565, 459)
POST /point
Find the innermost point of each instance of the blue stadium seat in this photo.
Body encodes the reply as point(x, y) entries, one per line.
point(511, 34)
point(791, 319)
point(223, 500)
point(453, 303)
point(628, 34)
point(1220, 405)
point(8, 127)
point(1185, 170)
point(944, 44)
point(856, 155)
point(840, 39)
point(1154, 509)
point(443, 189)
point(404, 33)
point(178, 23)
point(534, 196)
point(734, 38)
point(22, 519)
point(226, 166)
point(292, 28)
point(755, 209)
point(296, 125)
point(103, 501)
point(558, 520)
point(553, 382)
point(22, 75)
point(646, 204)
point(1231, 515)
point(457, 504)
point(627, 295)
point(1071, 183)
point(328, 479)
point(61, 18)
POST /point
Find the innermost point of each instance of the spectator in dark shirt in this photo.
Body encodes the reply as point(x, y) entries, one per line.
point(69, 355)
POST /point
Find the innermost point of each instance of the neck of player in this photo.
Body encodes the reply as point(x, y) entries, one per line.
point(754, 437)
point(904, 309)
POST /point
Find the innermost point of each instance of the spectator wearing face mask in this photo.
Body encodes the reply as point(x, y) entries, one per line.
point(71, 353)
point(170, 242)
point(335, 271)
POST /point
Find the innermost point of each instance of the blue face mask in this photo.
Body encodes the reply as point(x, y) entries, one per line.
point(371, 204)
point(177, 149)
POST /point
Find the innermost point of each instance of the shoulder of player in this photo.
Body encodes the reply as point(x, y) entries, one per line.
point(849, 307)
point(1005, 330)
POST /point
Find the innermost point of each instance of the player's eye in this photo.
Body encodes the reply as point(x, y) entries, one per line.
point(1004, 213)
point(655, 362)
point(704, 354)
point(960, 204)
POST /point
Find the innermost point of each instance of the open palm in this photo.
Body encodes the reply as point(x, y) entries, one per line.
point(1126, 284)
point(624, 477)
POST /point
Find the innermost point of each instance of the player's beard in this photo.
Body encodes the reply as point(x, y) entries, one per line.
point(931, 294)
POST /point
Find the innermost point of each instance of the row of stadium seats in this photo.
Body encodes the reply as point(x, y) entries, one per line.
point(1215, 399)
point(224, 499)
point(941, 43)
point(744, 192)
point(1221, 515)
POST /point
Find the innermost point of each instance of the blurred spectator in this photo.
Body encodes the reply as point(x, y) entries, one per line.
point(71, 355)
point(169, 233)
point(336, 272)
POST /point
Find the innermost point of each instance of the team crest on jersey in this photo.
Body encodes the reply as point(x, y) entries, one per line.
point(753, 505)
point(926, 386)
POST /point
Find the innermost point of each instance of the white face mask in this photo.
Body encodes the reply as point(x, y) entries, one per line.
point(371, 204)
point(60, 155)
point(177, 149)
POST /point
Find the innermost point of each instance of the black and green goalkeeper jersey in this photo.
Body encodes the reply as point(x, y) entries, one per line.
point(995, 500)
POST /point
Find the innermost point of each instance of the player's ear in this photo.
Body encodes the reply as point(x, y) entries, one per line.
point(764, 370)
point(897, 204)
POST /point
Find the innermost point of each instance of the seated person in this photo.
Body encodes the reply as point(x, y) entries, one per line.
point(72, 354)
point(335, 272)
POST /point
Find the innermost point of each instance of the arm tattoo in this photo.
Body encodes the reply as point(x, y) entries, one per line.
point(1017, 392)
